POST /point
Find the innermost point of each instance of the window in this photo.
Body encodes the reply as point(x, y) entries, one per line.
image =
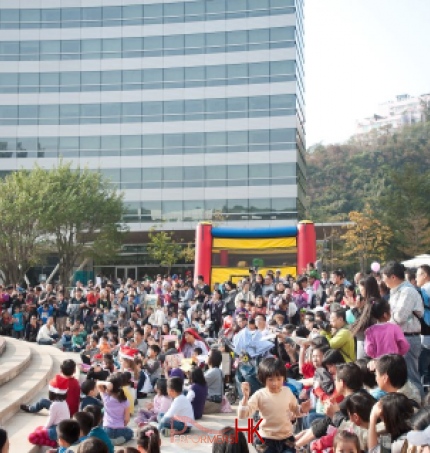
point(111, 16)
point(49, 114)
point(69, 81)
point(194, 110)
point(215, 109)
point(193, 210)
point(259, 39)
point(50, 18)
point(173, 143)
point(171, 211)
point(152, 178)
point(216, 142)
point(70, 50)
point(29, 18)
point(132, 14)
point(49, 82)
point(90, 81)
point(173, 12)
point(111, 112)
point(194, 143)
point(90, 146)
point(194, 76)
point(237, 175)
point(91, 17)
point(90, 114)
point(237, 206)
point(151, 211)
point(110, 145)
point(172, 177)
point(28, 114)
point(132, 47)
point(29, 50)
point(131, 145)
point(71, 17)
point(193, 177)
point(111, 81)
point(91, 49)
point(132, 113)
point(237, 40)
point(131, 178)
point(216, 175)
point(112, 174)
point(259, 175)
point(70, 146)
point(152, 144)
point(237, 107)
point(194, 43)
point(111, 48)
point(237, 141)
point(28, 82)
point(260, 206)
point(153, 78)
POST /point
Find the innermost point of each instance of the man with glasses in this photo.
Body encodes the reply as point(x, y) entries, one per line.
point(406, 307)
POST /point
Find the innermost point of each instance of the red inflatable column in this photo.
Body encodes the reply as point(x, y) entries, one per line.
point(203, 259)
point(306, 245)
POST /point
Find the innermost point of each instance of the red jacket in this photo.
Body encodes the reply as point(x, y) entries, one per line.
point(73, 395)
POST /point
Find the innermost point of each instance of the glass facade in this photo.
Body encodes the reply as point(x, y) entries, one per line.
point(163, 98)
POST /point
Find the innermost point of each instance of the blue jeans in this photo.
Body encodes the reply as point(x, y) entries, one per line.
point(412, 358)
point(247, 373)
point(41, 404)
point(114, 433)
point(424, 364)
point(52, 432)
point(171, 423)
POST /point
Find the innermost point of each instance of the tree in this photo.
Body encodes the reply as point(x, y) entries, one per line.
point(163, 249)
point(21, 235)
point(83, 214)
point(366, 237)
point(416, 236)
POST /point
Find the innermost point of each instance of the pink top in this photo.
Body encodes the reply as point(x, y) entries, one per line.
point(162, 404)
point(386, 338)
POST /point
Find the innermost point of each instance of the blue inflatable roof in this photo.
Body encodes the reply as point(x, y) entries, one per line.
point(278, 232)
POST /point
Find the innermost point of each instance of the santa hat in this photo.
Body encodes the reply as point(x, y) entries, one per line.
point(59, 385)
point(97, 357)
point(128, 353)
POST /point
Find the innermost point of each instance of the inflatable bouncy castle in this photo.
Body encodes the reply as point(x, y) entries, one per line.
point(224, 253)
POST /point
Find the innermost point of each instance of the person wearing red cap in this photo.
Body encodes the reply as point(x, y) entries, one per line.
point(58, 411)
point(190, 341)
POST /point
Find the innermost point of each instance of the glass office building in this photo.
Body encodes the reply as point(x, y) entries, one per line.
point(195, 109)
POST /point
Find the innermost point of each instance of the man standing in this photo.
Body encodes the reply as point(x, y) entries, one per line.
point(423, 282)
point(406, 306)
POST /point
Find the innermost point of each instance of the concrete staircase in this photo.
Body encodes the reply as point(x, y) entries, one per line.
point(25, 370)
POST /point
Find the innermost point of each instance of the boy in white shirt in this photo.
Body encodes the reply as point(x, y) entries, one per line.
point(180, 416)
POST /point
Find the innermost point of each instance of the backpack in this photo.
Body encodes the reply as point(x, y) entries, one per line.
point(425, 320)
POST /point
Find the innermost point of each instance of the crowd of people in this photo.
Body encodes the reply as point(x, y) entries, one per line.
point(325, 363)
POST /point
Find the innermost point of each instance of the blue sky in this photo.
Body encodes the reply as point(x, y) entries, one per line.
point(359, 53)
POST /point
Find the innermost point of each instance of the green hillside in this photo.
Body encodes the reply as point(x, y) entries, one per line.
point(389, 172)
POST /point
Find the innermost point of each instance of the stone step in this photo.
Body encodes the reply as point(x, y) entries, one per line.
point(22, 424)
point(27, 384)
point(14, 359)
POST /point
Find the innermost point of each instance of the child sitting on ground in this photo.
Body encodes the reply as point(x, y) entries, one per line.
point(68, 436)
point(88, 388)
point(180, 415)
point(97, 431)
point(161, 404)
point(58, 411)
point(276, 404)
point(116, 410)
point(86, 421)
